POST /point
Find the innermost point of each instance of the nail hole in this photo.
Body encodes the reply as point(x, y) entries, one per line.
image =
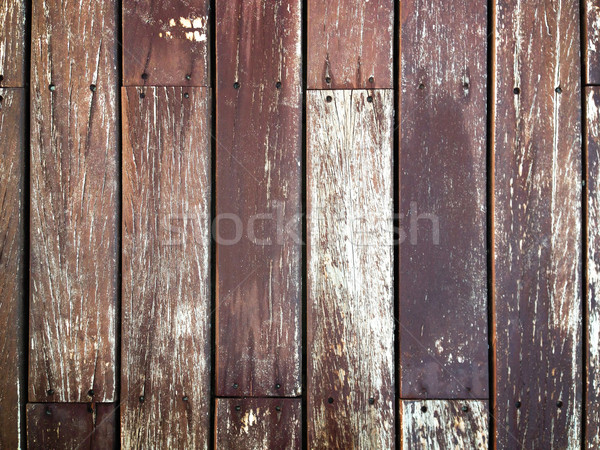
point(48, 412)
point(278, 408)
point(188, 77)
point(465, 408)
point(421, 86)
point(144, 76)
point(50, 392)
point(91, 393)
point(236, 85)
point(559, 404)
point(238, 408)
point(186, 95)
point(329, 99)
point(558, 90)
point(142, 95)
point(327, 80)
point(517, 91)
point(330, 400)
point(185, 398)
point(52, 87)
point(142, 399)
point(278, 85)
point(517, 404)
point(370, 99)
point(371, 80)
point(371, 401)
point(235, 385)
point(93, 87)
point(423, 408)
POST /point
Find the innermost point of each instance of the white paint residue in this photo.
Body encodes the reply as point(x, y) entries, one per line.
point(249, 419)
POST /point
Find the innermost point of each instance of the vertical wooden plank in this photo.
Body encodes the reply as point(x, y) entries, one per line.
point(350, 44)
point(106, 423)
point(537, 224)
point(12, 43)
point(265, 423)
point(592, 406)
point(444, 424)
point(259, 126)
point(443, 269)
point(74, 198)
point(166, 269)
point(165, 42)
point(592, 41)
point(350, 324)
point(12, 269)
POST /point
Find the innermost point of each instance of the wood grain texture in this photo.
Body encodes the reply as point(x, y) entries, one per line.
point(591, 46)
point(165, 381)
point(166, 43)
point(12, 43)
point(258, 185)
point(537, 225)
point(258, 423)
point(74, 197)
point(592, 405)
point(73, 426)
point(350, 41)
point(443, 269)
point(350, 381)
point(444, 424)
point(13, 380)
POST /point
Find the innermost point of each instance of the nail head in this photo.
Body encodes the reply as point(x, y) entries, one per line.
point(238, 408)
point(188, 77)
point(517, 91)
point(370, 99)
point(330, 400)
point(142, 95)
point(144, 76)
point(142, 399)
point(371, 401)
point(421, 86)
point(235, 385)
point(559, 404)
point(52, 87)
point(558, 90)
point(328, 80)
point(278, 408)
point(465, 408)
point(93, 87)
point(371, 80)
point(91, 393)
point(278, 85)
point(236, 85)
point(423, 408)
point(50, 391)
point(186, 95)
point(185, 398)
point(329, 99)
point(517, 404)
point(48, 412)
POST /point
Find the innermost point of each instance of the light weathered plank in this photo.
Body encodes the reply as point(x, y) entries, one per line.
point(592, 406)
point(592, 41)
point(263, 423)
point(537, 225)
point(74, 198)
point(443, 269)
point(350, 44)
point(444, 424)
point(259, 130)
point(13, 348)
point(166, 269)
point(12, 43)
point(166, 42)
point(350, 326)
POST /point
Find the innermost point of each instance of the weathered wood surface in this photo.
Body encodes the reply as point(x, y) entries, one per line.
point(12, 267)
point(443, 269)
point(106, 424)
point(265, 423)
point(592, 41)
point(12, 43)
point(166, 268)
point(537, 225)
point(350, 44)
point(350, 328)
point(74, 198)
point(60, 426)
point(444, 424)
point(258, 185)
point(592, 406)
point(166, 43)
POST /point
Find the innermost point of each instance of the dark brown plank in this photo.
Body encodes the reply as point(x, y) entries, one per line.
point(12, 43)
point(165, 377)
point(258, 423)
point(592, 405)
point(350, 381)
point(350, 44)
point(592, 41)
point(74, 198)
point(165, 43)
point(13, 380)
point(70, 426)
point(443, 270)
point(444, 424)
point(537, 225)
point(258, 184)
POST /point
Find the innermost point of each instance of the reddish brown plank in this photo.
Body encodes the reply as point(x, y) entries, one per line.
point(592, 405)
point(74, 198)
point(258, 423)
point(165, 342)
point(12, 43)
point(13, 381)
point(106, 423)
point(443, 269)
point(350, 44)
point(591, 41)
point(350, 328)
point(165, 43)
point(259, 128)
point(537, 225)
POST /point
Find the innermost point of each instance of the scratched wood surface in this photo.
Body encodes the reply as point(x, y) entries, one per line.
point(444, 424)
point(165, 374)
point(258, 423)
point(592, 405)
point(537, 225)
point(59, 426)
point(350, 328)
point(12, 43)
point(443, 200)
point(166, 43)
point(258, 185)
point(350, 44)
point(74, 197)
point(12, 266)
point(591, 41)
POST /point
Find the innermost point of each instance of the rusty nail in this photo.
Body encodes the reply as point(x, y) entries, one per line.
point(371, 80)
point(91, 392)
point(370, 99)
point(278, 85)
point(144, 76)
point(48, 412)
point(558, 90)
point(188, 77)
point(423, 408)
point(328, 99)
point(517, 404)
point(52, 87)
point(330, 400)
point(465, 408)
point(327, 80)
point(559, 404)
point(50, 392)
point(141, 399)
point(93, 87)
point(186, 95)
point(238, 408)
point(185, 398)
point(371, 401)
point(517, 91)
point(278, 408)
point(236, 85)
point(142, 95)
